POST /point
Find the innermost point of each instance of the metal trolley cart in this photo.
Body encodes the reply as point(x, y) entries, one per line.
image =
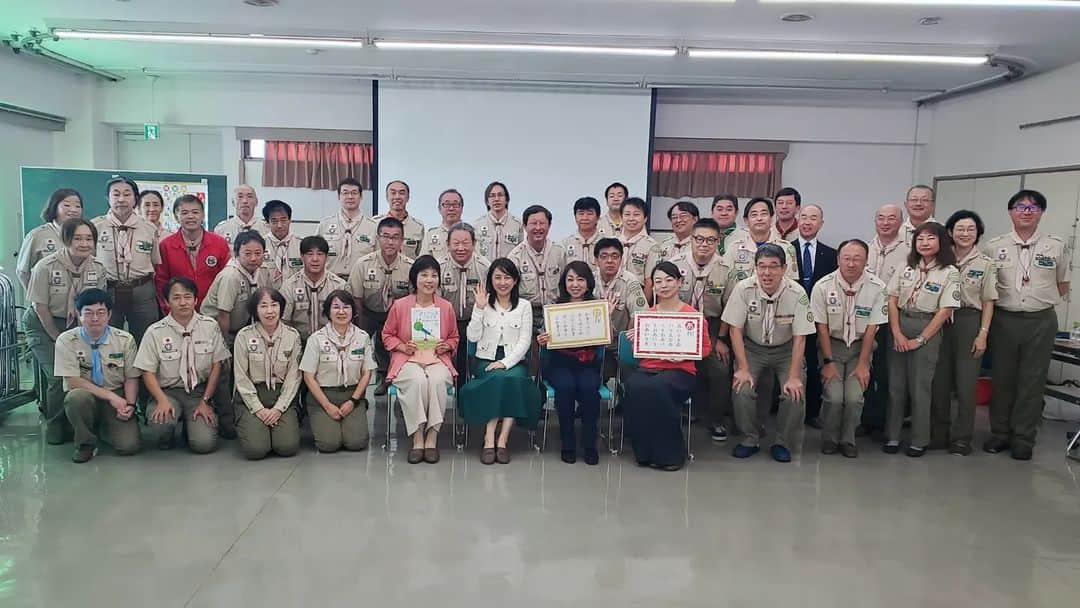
point(13, 351)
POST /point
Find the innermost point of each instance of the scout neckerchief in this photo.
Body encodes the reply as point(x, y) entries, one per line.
point(540, 265)
point(922, 273)
point(313, 289)
point(189, 373)
point(342, 343)
point(280, 253)
point(193, 247)
point(700, 274)
point(850, 292)
point(586, 245)
point(678, 246)
point(724, 234)
point(883, 251)
point(97, 373)
point(75, 280)
point(388, 270)
point(349, 225)
point(250, 278)
point(273, 345)
point(1023, 248)
point(498, 232)
point(463, 283)
point(768, 318)
point(123, 235)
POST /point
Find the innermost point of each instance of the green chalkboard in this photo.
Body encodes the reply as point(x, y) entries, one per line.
point(39, 182)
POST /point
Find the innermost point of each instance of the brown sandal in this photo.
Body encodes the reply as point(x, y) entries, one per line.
point(502, 456)
point(431, 455)
point(487, 456)
point(416, 455)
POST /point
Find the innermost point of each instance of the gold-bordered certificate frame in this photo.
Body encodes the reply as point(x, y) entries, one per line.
point(578, 324)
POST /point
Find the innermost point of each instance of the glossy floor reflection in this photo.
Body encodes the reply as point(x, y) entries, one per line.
point(173, 529)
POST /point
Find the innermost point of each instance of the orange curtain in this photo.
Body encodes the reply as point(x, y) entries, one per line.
point(315, 165)
point(706, 174)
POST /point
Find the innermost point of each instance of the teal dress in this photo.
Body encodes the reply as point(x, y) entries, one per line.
point(500, 393)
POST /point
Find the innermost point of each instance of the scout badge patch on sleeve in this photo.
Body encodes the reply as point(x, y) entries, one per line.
point(211, 261)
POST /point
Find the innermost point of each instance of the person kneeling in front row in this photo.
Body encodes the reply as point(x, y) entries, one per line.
point(180, 358)
point(96, 363)
point(266, 369)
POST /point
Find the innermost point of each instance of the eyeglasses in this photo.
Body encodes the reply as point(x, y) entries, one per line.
point(679, 216)
point(614, 257)
point(764, 267)
point(706, 240)
point(1027, 208)
point(93, 314)
point(390, 237)
point(451, 205)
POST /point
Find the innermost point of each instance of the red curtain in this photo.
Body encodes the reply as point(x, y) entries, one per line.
point(315, 165)
point(706, 174)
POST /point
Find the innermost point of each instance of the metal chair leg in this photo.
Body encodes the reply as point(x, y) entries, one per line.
point(689, 418)
point(389, 422)
point(1075, 438)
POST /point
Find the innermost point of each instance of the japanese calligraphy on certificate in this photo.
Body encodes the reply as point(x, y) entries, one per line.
point(426, 328)
point(668, 335)
point(578, 324)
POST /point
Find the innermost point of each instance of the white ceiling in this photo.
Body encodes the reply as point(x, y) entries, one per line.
point(1042, 38)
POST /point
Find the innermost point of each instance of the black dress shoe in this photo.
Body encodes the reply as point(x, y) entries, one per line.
point(592, 457)
point(849, 450)
point(569, 456)
point(814, 423)
point(829, 447)
point(83, 454)
point(1022, 452)
point(889, 448)
point(915, 452)
point(995, 445)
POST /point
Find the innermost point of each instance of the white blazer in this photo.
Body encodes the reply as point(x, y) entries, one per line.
point(492, 327)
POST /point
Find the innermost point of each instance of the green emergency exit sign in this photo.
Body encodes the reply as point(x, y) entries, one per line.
point(150, 131)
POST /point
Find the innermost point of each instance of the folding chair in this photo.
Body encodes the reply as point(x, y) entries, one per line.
point(627, 361)
point(549, 395)
point(461, 436)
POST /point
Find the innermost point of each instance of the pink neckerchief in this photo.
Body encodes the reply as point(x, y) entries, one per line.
point(188, 370)
point(849, 294)
point(884, 250)
point(273, 345)
point(342, 343)
point(1024, 254)
point(768, 316)
point(122, 236)
point(922, 273)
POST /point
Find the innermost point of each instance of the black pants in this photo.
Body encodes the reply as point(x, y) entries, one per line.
point(877, 397)
point(575, 382)
point(813, 378)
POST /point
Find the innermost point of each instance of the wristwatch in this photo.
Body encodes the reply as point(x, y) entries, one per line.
point(826, 361)
point(921, 340)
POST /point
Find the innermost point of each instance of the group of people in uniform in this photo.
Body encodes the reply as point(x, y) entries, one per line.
point(244, 331)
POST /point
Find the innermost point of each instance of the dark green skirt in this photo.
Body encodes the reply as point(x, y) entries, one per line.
point(501, 393)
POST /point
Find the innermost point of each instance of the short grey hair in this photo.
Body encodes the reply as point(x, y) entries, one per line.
point(462, 226)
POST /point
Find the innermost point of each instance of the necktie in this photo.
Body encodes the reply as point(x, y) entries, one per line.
point(807, 265)
point(97, 373)
point(1024, 276)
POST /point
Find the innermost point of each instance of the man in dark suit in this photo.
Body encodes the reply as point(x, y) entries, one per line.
point(815, 260)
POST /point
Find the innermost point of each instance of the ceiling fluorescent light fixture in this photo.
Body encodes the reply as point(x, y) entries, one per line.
point(964, 3)
point(836, 56)
point(229, 39)
point(527, 48)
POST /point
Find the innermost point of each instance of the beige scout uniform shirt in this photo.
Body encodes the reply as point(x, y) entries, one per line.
point(885, 260)
point(435, 242)
point(703, 286)
point(607, 227)
point(539, 271)
point(234, 226)
point(770, 321)
point(337, 363)
point(907, 229)
point(641, 254)
point(830, 305)
point(230, 292)
point(458, 283)
point(579, 248)
point(495, 238)
point(144, 250)
point(1045, 263)
point(672, 247)
point(250, 365)
point(357, 236)
point(978, 280)
point(39, 242)
point(926, 292)
point(74, 358)
point(304, 300)
point(727, 238)
point(739, 256)
point(159, 352)
point(414, 234)
point(51, 283)
point(377, 284)
point(629, 296)
point(283, 256)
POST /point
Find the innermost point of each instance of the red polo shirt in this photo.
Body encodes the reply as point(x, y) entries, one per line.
point(212, 256)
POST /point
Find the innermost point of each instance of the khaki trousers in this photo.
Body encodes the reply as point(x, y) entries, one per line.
point(957, 372)
point(843, 395)
point(775, 362)
point(351, 432)
point(89, 414)
point(1022, 343)
point(201, 437)
point(911, 377)
point(256, 439)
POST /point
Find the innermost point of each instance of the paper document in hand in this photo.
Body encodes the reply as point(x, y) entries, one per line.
point(426, 327)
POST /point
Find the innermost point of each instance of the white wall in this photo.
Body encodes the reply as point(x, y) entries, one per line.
point(980, 133)
point(850, 160)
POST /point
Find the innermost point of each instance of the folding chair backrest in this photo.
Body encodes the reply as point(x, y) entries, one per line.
point(626, 350)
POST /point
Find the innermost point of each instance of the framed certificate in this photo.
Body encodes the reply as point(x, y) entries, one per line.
point(668, 335)
point(578, 324)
